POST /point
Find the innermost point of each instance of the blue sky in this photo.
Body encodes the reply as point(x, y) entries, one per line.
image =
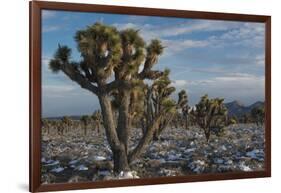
point(221, 58)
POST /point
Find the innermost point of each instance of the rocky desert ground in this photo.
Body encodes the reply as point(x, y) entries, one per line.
point(75, 157)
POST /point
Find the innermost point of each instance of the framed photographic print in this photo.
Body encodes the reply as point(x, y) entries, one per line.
point(124, 96)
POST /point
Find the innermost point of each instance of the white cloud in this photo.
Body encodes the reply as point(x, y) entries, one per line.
point(174, 46)
point(170, 30)
point(50, 28)
point(247, 34)
point(242, 86)
point(231, 34)
point(199, 25)
point(58, 88)
point(260, 60)
point(57, 91)
point(45, 60)
point(122, 26)
point(179, 83)
point(212, 69)
point(46, 14)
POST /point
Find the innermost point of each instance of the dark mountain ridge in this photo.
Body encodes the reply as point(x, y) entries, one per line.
point(235, 108)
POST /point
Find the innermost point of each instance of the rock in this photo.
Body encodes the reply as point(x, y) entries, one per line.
point(173, 157)
point(167, 172)
point(229, 162)
point(127, 175)
point(189, 150)
point(223, 148)
point(48, 178)
point(244, 167)
point(197, 166)
point(223, 168)
point(75, 179)
point(104, 172)
point(45, 138)
point(218, 161)
point(43, 160)
point(255, 154)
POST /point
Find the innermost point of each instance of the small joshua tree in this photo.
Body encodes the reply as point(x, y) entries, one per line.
point(158, 96)
point(184, 107)
point(158, 100)
point(97, 120)
point(232, 120)
point(177, 121)
point(66, 123)
point(60, 126)
point(258, 115)
point(85, 120)
point(246, 118)
point(209, 114)
point(45, 125)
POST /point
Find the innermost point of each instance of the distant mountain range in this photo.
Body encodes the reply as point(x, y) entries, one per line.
point(72, 117)
point(235, 108)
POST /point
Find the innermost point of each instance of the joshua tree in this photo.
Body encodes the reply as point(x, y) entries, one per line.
point(177, 120)
point(210, 114)
point(66, 123)
point(258, 116)
point(184, 108)
point(232, 120)
point(246, 118)
point(158, 100)
point(60, 126)
point(85, 120)
point(46, 125)
point(97, 120)
point(111, 54)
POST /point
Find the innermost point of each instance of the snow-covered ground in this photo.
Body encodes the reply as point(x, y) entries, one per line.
point(75, 157)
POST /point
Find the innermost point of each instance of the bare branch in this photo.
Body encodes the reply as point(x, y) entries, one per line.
point(145, 140)
point(75, 75)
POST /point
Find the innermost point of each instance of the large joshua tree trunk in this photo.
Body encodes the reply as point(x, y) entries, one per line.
point(118, 148)
point(123, 125)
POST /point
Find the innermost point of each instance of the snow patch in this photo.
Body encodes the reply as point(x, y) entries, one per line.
point(57, 170)
point(81, 168)
point(100, 158)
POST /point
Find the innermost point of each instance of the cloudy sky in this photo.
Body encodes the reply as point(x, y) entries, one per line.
point(221, 58)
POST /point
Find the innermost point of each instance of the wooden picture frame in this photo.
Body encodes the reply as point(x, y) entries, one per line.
point(35, 93)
